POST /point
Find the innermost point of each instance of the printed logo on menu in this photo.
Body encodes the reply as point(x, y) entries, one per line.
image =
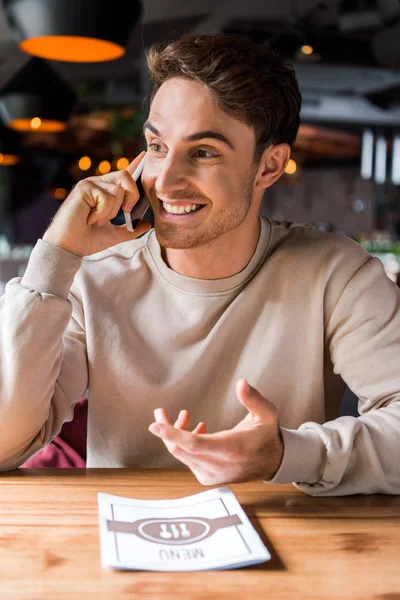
point(174, 530)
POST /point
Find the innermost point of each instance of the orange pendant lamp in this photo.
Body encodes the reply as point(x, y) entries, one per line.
point(73, 30)
point(36, 99)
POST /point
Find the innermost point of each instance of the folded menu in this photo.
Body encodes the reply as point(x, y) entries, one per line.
point(206, 531)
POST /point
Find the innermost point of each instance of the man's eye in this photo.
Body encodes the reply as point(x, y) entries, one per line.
point(205, 154)
point(200, 152)
point(154, 147)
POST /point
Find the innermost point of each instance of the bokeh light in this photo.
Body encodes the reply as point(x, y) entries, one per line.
point(104, 167)
point(122, 163)
point(36, 123)
point(307, 50)
point(84, 163)
point(60, 193)
point(291, 167)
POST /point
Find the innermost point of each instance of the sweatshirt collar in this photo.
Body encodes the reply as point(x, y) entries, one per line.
point(211, 286)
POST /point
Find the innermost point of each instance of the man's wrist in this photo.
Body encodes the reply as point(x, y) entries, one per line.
point(51, 238)
point(51, 269)
point(276, 453)
point(304, 457)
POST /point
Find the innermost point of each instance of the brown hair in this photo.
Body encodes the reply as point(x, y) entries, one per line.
point(248, 81)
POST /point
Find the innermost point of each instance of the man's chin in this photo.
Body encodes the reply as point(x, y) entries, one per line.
point(178, 240)
point(171, 244)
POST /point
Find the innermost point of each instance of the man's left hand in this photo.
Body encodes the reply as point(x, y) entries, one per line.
point(253, 449)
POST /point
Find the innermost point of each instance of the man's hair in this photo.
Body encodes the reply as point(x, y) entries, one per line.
point(249, 81)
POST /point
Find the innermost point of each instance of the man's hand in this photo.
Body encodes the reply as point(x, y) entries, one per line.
point(253, 449)
point(82, 223)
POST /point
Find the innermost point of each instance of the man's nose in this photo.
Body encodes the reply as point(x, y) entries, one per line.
point(171, 177)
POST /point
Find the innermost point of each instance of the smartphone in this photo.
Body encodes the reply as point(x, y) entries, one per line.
point(141, 207)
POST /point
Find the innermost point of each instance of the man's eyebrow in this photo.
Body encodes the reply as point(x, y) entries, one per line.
point(148, 125)
point(209, 133)
point(200, 135)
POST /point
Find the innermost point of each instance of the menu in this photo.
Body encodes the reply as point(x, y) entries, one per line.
point(205, 531)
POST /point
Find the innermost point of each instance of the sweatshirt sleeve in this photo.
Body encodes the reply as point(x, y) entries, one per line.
point(351, 455)
point(43, 364)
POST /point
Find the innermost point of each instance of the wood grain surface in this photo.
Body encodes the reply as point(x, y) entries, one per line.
point(322, 548)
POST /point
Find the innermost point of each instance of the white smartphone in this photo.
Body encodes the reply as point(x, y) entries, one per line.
point(139, 210)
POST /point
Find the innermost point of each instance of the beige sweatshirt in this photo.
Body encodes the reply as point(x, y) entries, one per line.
point(309, 312)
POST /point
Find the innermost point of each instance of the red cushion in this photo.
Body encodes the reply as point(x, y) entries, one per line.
point(68, 449)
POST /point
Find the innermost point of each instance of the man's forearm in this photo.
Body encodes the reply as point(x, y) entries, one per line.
point(34, 314)
point(360, 457)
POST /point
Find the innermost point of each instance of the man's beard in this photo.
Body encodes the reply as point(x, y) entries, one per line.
point(184, 237)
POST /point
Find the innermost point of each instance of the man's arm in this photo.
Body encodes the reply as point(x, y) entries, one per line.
point(344, 456)
point(43, 364)
point(361, 455)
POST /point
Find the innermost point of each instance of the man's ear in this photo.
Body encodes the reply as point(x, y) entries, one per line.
point(272, 164)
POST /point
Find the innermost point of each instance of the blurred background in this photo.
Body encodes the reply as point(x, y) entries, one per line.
point(74, 93)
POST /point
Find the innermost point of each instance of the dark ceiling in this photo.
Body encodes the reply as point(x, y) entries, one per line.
point(347, 32)
point(351, 79)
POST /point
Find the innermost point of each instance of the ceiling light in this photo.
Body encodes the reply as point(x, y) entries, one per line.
point(72, 30)
point(36, 123)
point(380, 159)
point(396, 159)
point(9, 160)
point(36, 99)
point(367, 153)
point(25, 125)
point(307, 50)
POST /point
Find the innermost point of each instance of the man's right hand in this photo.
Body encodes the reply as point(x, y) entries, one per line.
point(82, 223)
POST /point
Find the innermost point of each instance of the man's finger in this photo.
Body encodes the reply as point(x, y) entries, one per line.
point(204, 444)
point(183, 420)
point(131, 168)
point(184, 439)
point(200, 428)
point(161, 416)
point(259, 407)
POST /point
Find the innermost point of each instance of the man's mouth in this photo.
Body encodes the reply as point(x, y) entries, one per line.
point(181, 209)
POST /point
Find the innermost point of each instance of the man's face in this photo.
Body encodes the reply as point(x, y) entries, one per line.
point(197, 154)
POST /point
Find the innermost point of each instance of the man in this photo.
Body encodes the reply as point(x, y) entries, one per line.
point(247, 327)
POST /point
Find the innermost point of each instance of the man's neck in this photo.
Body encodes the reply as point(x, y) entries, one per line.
point(224, 257)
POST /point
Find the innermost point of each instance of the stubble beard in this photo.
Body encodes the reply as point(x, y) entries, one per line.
point(181, 237)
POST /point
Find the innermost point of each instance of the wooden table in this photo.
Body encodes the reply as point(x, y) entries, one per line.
point(321, 547)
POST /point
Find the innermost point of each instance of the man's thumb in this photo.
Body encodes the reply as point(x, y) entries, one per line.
point(258, 406)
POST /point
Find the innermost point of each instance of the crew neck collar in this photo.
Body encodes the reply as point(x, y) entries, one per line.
point(211, 286)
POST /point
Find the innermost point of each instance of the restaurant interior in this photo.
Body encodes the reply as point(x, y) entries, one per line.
point(69, 110)
point(344, 172)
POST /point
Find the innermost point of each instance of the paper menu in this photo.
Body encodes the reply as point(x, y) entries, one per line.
point(205, 531)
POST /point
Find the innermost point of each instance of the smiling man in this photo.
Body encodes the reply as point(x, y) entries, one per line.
point(247, 327)
point(213, 169)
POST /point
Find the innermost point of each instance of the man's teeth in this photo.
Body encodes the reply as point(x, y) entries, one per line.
point(180, 210)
